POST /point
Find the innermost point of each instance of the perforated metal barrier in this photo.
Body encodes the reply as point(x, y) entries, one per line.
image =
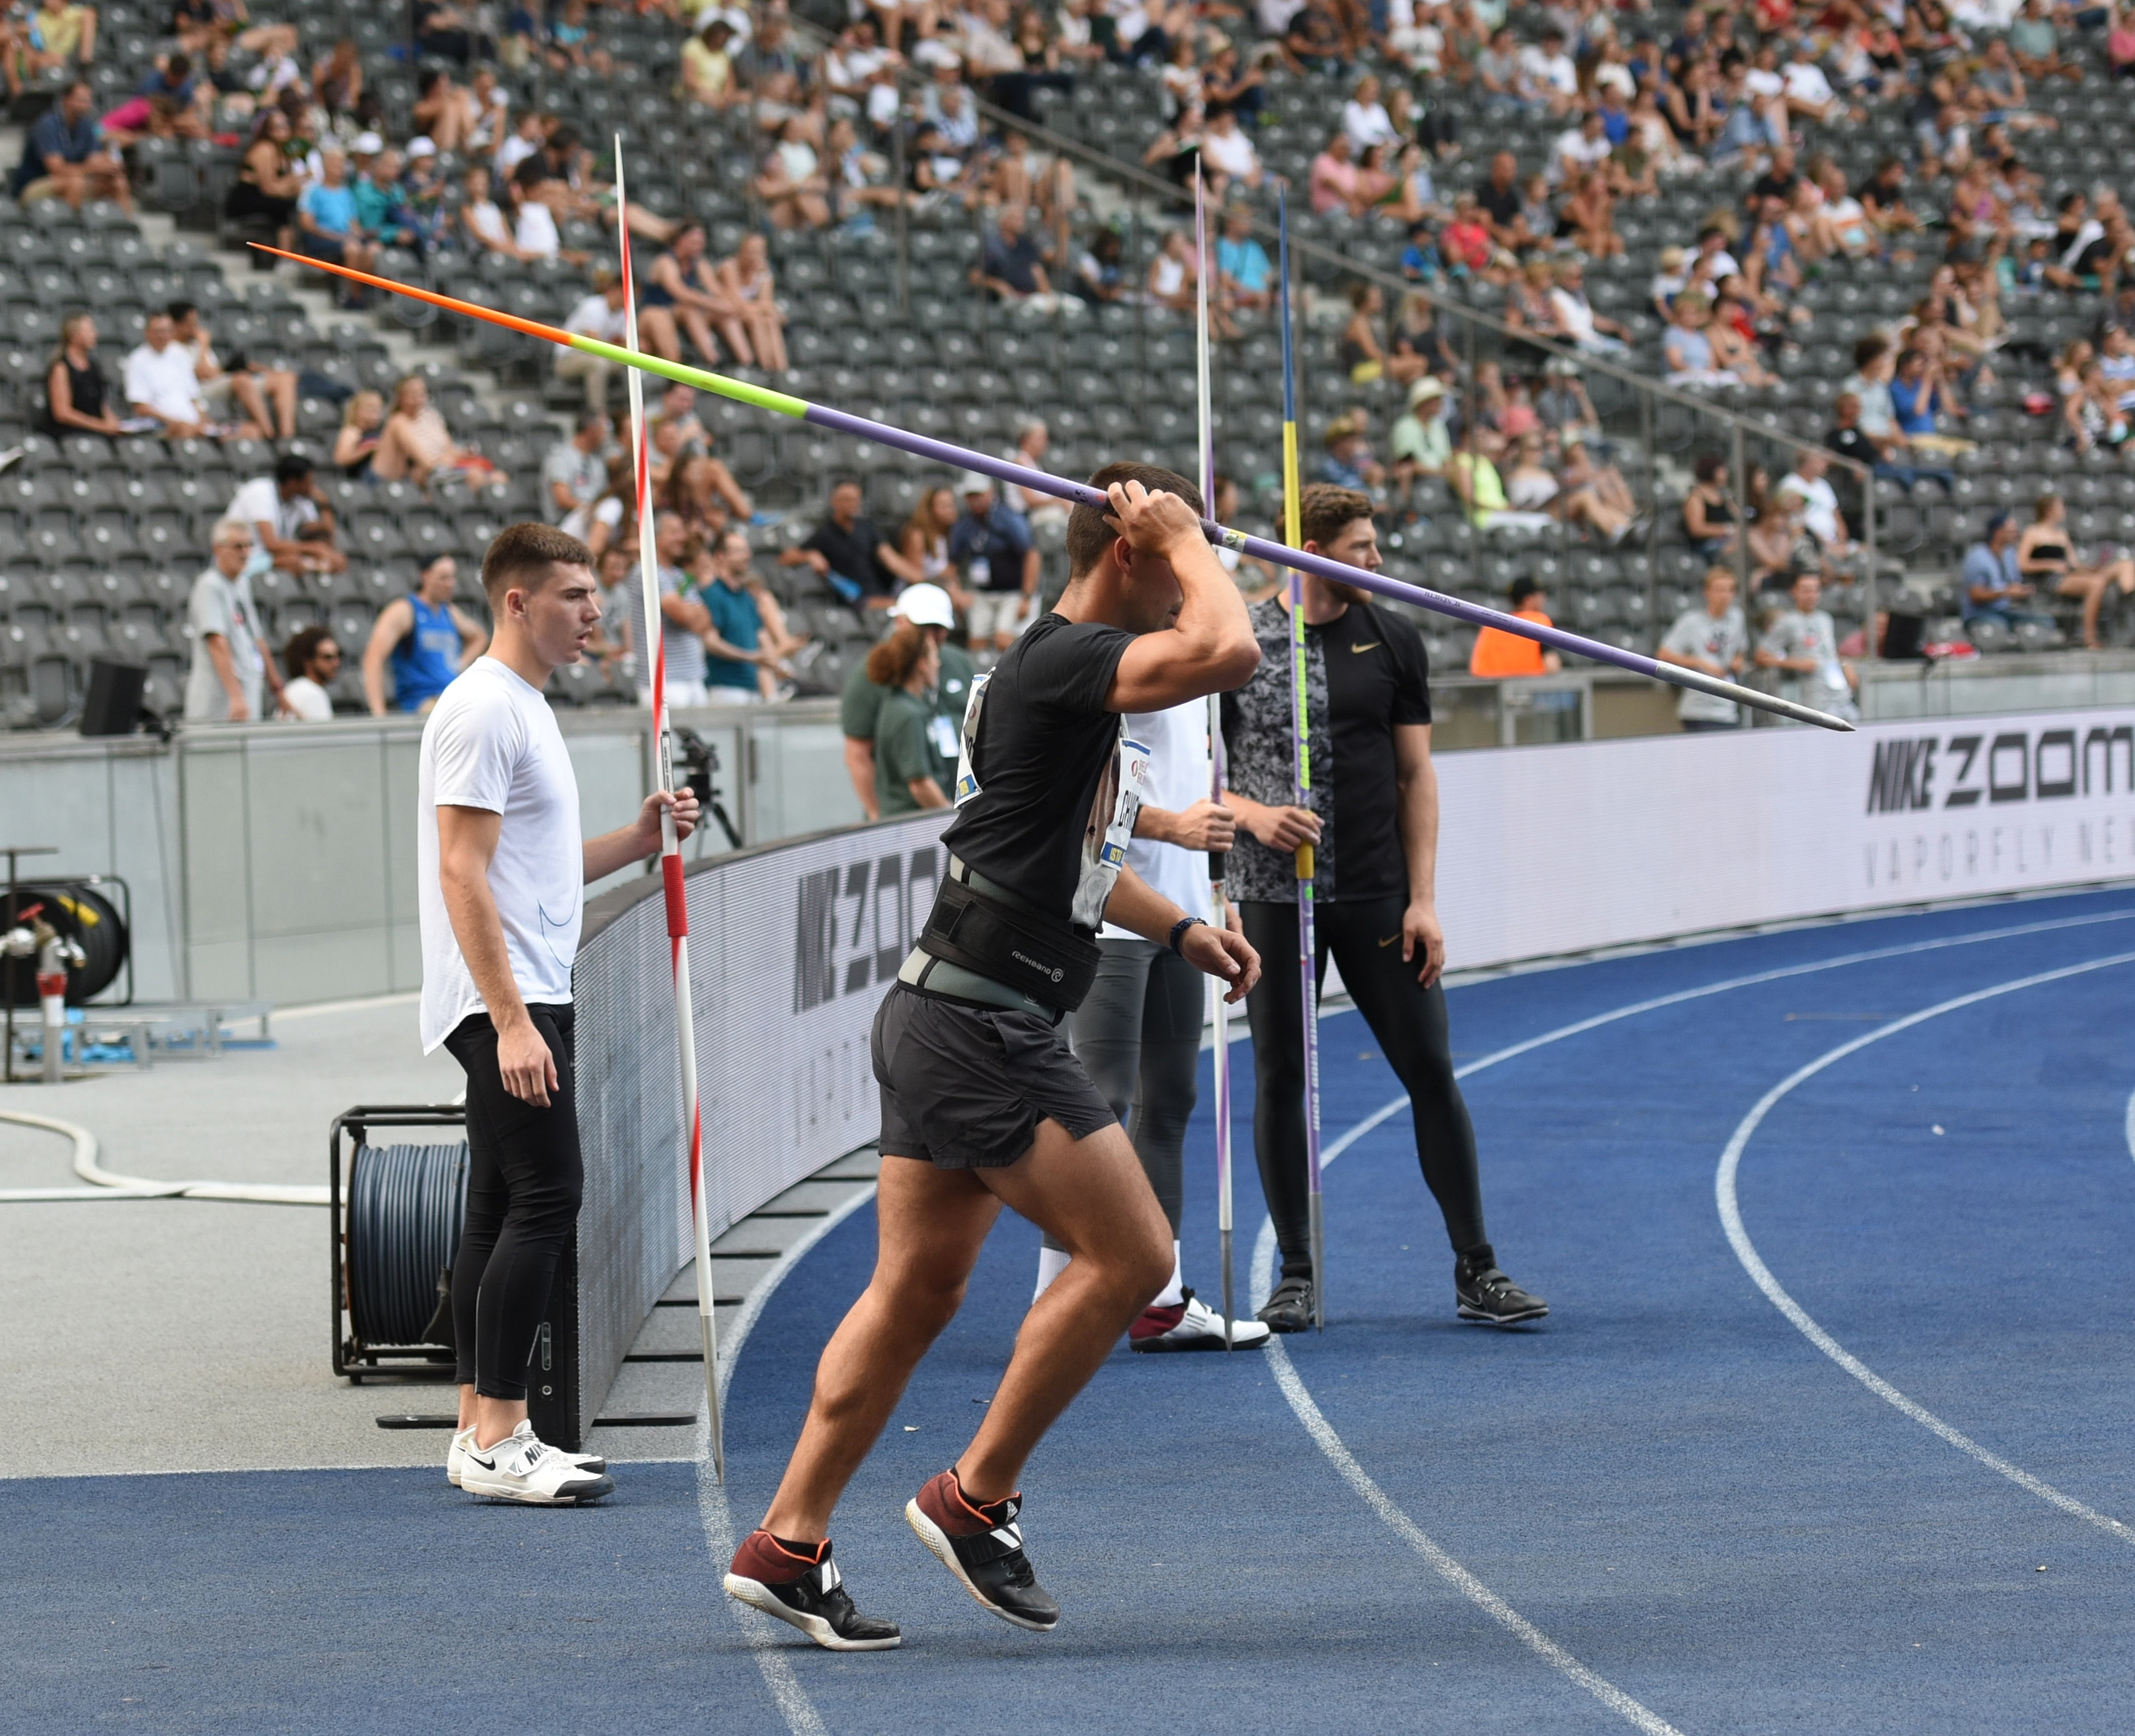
point(792, 947)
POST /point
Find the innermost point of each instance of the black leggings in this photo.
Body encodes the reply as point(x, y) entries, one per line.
point(524, 1179)
point(1138, 1035)
point(1409, 1022)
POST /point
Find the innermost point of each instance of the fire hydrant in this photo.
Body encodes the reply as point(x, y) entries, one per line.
point(55, 955)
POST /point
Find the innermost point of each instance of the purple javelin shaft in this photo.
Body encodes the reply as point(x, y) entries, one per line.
point(963, 457)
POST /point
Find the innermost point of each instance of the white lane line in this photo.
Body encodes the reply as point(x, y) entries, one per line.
point(767, 1638)
point(1338, 1455)
point(1307, 1411)
point(2131, 1125)
point(1738, 1238)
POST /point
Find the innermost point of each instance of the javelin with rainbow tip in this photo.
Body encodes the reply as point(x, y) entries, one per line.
point(1080, 494)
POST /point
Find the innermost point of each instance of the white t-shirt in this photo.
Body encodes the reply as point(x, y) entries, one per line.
point(224, 607)
point(1230, 153)
point(1550, 71)
point(593, 317)
point(259, 502)
point(165, 382)
point(579, 521)
point(537, 230)
point(1177, 743)
point(1805, 83)
point(1819, 505)
point(308, 700)
point(491, 743)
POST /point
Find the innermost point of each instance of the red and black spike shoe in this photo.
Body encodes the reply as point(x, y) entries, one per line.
point(805, 1591)
point(982, 1545)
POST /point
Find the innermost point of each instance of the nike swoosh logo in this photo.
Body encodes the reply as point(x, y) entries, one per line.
point(1389, 940)
point(1372, 647)
point(487, 1464)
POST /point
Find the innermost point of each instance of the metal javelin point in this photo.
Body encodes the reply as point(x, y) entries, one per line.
point(1080, 494)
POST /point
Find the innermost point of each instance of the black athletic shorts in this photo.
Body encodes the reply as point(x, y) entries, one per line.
point(964, 1087)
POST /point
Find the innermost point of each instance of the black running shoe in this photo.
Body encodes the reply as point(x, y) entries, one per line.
point(805, 1592)
point(983, 1547)
point(1289, 1309)
point(1486, 1294)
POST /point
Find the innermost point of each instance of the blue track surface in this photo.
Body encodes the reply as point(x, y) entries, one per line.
point(1668, 1480)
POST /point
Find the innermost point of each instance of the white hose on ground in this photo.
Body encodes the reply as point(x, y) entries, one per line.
point(106, 1184)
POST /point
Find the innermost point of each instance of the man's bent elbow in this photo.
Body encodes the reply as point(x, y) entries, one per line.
point(1236, 661)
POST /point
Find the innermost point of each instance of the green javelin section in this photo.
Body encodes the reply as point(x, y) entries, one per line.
point(740, 391)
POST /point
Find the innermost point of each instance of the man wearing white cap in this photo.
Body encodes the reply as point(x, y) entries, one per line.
point(920, 609)
point(991, 546)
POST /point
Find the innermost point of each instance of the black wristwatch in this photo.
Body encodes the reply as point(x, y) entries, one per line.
point(1179, 931)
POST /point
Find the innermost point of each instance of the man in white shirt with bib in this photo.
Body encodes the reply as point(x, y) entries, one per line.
point(501, 877)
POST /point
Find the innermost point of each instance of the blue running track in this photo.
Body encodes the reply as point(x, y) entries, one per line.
point(1671, 1508)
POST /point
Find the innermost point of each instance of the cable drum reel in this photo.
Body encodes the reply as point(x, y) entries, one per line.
point(397, 1224)
point(85, 918)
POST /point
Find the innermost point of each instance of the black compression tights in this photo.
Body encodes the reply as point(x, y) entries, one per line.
point(525, 1177)
point(1409, 1022)
point(1138, 1035)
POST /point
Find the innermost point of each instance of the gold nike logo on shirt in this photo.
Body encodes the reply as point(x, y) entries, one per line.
point(1389, 940)
point(1372, 645)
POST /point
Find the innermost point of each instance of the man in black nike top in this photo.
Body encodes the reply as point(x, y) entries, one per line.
point(1373, 824)
point(983, 1105)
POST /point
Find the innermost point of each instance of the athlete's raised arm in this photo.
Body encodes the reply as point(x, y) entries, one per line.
point(1197, 640)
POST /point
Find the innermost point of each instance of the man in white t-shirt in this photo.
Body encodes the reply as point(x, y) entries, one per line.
point(1809, 482)
point(1550, 78)
point(1138, 1032)
point(230, 664)
point(160, 381)
point(1715, 640)
point(290, 516)
point(600, 315)
point(502, 870)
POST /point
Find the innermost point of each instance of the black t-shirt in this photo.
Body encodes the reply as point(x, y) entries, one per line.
point(1046, 750)
point(851, 553)
point(1772, 185)
point(1366, 672)
point(1500, 204)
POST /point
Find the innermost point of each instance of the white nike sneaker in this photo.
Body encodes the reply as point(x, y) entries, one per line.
point(520, 1468)
point(1191, 1325)
point(456, 1457)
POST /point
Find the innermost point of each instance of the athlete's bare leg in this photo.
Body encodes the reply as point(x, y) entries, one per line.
point(1092, 1196)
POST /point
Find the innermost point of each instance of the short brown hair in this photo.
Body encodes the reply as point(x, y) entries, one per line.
point(1090, 534)
point(522, 555)
point(1324, 511)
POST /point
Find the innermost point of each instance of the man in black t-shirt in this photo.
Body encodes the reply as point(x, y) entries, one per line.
point(1373, 824)
point(847, 550)
point(983, 1103)
point(1499, 200)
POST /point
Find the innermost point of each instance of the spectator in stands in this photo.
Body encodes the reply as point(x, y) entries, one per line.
point(312, 659)
point(1245, 279)
point(907, 668)
point(223, 621)
point(243, 387)
point(483, 220)
point(76, 395)
point(441, 112)
point(1710, 519)
point(1549, 80)
point(160, 382)
point(1337, 181)
point(598, 523)
point(1803, 644)
point(2034, 41)
point(574, 473)
point(708, 69)
point(64, 157)
point(705, 492)
point(681, 295)
point(990, 546)
point(1499, 656)
point(363, 418)
point(1350, 462)
point(1012, 268)
point(1032, 441)
point(1918, 393)
point(733, 653)
point(1809, 483)
point(750, 287)
point(537, 197)
point(1227, 153)
point(291, 518)
point(678, 405)
point(426, 637)
point(622, 622)
point(600, 314)
point(325, 218)
point(1477, 485)
point(2046, 559)
point(849, 554)
point(1688, 345)
point(923, 542)
point(922, 611)
point(61, 34)
point(268, 185)
point(416, 445)
point(1418, 443)
point(1713, 639)
point(442, 30)
point(795, 192)
point(1576, 320)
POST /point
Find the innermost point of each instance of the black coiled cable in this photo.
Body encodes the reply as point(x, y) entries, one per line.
point(406, 1204)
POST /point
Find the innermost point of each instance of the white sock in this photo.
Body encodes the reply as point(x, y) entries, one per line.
point(1173, 1293)
point(1052, 1262)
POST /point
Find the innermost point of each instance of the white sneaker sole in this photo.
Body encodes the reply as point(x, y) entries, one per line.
point(1245, 1335)
point(592, 1463)
point(580, 1492)
point(759, 1596)
point(938, 1545)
